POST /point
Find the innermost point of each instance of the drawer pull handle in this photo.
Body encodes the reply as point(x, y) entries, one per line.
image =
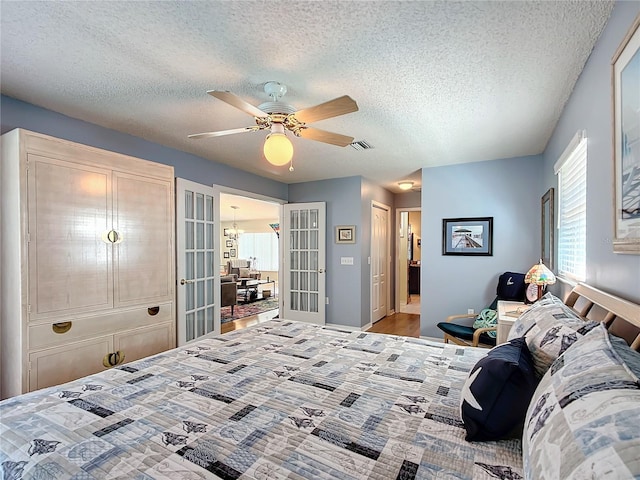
point(61, 327)
point(153, 310)
point(112, 359)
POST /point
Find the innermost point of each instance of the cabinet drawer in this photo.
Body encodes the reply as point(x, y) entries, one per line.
point(43, 335)
point(54, 366)
point(143, 342)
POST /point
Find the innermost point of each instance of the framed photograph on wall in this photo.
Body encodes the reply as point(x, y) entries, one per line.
point(226, 254)
point(345, 234)
point(625, 76)
point(225, 232)
point(232, 253)
point(467, 236)
point(229, 243)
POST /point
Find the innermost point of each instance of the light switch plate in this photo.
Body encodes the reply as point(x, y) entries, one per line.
point(346, 260)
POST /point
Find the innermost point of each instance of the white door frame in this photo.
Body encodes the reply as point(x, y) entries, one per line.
point(387, 208)
point(397, 235)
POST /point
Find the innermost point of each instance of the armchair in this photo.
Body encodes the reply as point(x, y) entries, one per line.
point(228, 291)
point(466, 335)
point(511, 286)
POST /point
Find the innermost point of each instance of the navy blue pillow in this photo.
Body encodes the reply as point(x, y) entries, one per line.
point(496, 395)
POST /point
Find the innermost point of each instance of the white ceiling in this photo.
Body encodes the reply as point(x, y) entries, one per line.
point(436, 82)
point(248, 209)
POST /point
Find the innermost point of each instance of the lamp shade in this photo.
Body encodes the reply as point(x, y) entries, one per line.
point(278, 149)
point(539, 274)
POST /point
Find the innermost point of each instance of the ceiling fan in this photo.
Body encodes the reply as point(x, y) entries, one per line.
point(278, 117)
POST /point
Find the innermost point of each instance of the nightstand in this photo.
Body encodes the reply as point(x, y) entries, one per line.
point(506, 321)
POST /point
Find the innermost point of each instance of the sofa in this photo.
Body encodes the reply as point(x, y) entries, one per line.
point(242, 269)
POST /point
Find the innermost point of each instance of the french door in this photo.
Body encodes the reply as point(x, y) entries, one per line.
point(198, 291)
point(304, 252)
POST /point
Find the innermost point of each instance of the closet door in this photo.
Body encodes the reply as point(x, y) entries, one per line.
point(143, 220)
point(69, 256)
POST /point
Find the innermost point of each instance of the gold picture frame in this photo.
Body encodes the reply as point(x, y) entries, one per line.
point(547, 229)
point(625, 76)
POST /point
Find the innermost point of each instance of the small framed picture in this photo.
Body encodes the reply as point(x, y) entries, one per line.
point(346, 234)
point(226, 232)
point(229, 244)
point(226, 254)
point(232, 253)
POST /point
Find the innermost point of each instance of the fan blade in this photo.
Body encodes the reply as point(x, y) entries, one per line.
point(224, 132)
point(326, 137)
point(332, 108)
point(237, 102)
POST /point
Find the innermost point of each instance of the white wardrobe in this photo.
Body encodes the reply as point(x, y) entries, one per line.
point(87, 260)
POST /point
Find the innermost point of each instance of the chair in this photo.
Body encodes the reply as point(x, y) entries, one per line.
point(228, 291)
point(511, 286)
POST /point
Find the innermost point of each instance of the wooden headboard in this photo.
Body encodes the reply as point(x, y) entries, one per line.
point(621, 317)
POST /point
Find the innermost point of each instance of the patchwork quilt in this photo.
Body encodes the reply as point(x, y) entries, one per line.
point(278, 400)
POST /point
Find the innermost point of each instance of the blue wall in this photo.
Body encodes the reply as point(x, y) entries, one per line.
point(508, 191)
point(17, 114)
point(589, 108)
point(344, 282)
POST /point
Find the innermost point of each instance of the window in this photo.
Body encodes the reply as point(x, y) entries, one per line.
point(263, 247)
point(571, 169)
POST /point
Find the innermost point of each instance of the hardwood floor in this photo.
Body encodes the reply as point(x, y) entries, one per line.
point(406, 324)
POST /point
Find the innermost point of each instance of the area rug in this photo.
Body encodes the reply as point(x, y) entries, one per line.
point(254, 308)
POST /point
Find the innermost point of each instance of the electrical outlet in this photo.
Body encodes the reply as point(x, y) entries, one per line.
point(470, 311)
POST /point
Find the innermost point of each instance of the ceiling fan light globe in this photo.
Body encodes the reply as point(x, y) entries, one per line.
point(278, 149)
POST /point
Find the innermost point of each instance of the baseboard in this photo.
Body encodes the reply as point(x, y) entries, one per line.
point(348, 328)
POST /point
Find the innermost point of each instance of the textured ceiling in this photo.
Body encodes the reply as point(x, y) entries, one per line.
point(436, 82)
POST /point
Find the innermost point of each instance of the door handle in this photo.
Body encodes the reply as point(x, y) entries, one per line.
point(321, 270)
point(183, 281)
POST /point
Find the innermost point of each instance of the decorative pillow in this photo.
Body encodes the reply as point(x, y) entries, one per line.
point(495, 397)
point(583, 420)
point(553, 333)
point(529, 318)
point(487, 318)
point(244, 273)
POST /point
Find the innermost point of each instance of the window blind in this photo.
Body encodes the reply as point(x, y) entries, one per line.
point(571, 169)
point(262, 246)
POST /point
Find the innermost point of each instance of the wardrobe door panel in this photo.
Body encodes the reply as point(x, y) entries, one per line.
point(69, 257)
point(143, 218)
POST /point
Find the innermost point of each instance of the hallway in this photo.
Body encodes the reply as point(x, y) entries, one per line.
point(405, 324)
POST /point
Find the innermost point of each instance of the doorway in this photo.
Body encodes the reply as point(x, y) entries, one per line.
point(409, 263)
point(250, 250)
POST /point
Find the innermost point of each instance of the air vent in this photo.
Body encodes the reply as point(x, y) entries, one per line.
point(361, 145)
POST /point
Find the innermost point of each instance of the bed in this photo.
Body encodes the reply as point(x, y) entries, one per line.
point(278, 400)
